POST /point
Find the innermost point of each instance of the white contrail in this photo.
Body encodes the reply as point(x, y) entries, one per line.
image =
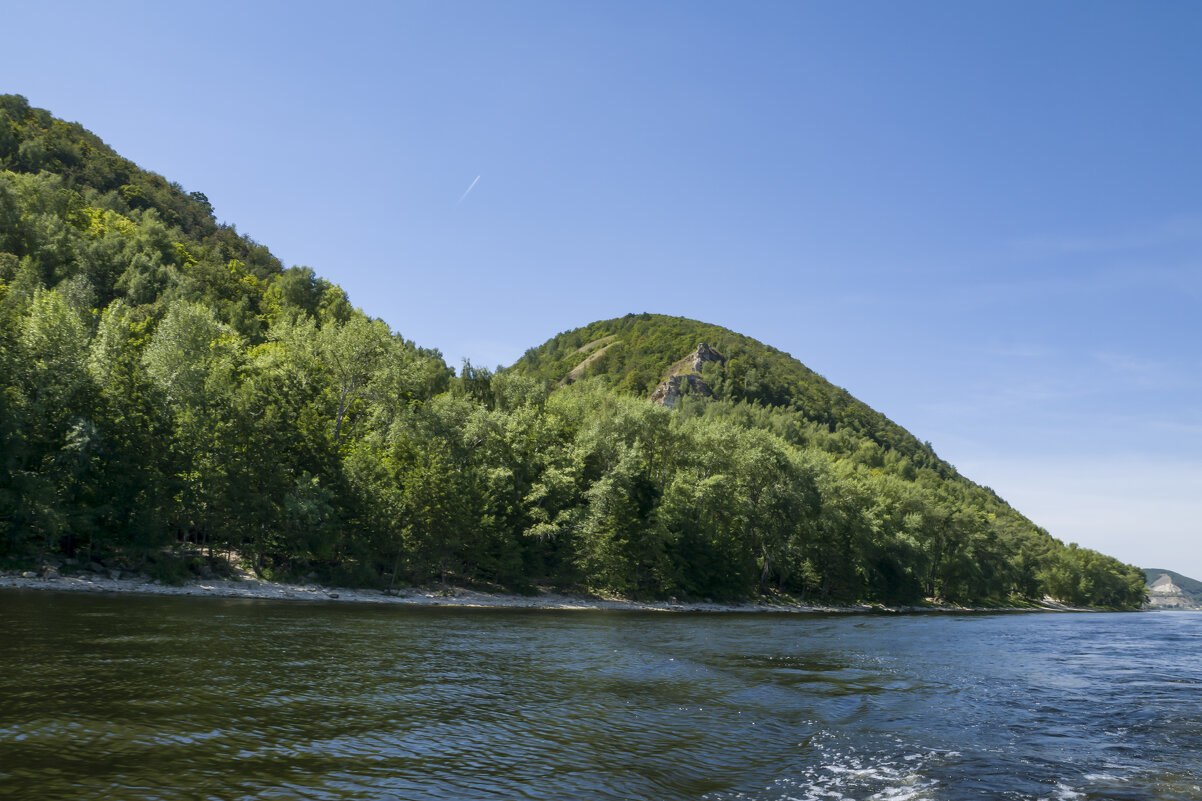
point(469, 189)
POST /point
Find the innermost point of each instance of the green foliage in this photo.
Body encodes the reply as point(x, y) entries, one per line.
point(167, 390)
point(170, 570)
point(641, 347)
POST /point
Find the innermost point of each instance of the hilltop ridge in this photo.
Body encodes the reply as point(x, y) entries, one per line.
point(644, 350)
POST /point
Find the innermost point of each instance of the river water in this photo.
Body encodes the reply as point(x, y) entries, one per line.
point(118, 697)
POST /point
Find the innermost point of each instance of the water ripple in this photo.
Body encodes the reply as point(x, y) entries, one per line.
point(145, 698)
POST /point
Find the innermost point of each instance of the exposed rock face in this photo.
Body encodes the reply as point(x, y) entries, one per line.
point(668, 391)
point(703, 354)
point(1164, 594)
point(1165, 586)
point(686, 373)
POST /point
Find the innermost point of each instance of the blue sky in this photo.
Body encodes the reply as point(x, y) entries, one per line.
point(983, 219)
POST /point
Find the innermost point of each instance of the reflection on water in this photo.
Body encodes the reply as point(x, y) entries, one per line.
point(181, 698)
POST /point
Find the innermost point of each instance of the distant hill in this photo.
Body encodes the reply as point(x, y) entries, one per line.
point(1191, 589)
point(1191, 586)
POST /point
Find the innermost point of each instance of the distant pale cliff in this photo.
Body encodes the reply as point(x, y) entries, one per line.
point(1165, 593)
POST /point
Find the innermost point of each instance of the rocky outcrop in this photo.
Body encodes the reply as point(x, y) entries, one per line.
point(685, 376)
point(669, 390)
point(703, 354)
point(1164, 594)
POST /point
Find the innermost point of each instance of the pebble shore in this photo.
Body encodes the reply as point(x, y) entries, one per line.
point(266, 590)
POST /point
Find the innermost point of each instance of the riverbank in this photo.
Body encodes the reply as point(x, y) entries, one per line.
point(454, 596)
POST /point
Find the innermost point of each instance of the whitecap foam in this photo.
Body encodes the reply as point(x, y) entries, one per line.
point(1065, 793)
point(852, 778)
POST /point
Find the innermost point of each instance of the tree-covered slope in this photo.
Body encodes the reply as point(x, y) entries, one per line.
point(640, 348)
point(171, 397)
point(756, 386)
point(164, 383)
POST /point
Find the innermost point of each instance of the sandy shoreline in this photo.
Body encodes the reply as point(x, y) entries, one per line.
point(412, 596)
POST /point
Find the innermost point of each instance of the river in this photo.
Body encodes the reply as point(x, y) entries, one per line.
point(119, 697)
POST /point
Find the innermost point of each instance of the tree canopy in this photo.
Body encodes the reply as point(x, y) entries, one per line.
point(169, 391)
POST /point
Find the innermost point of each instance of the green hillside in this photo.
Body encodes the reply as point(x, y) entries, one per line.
point(757, 387)
point(640, 348)
point(172, 399)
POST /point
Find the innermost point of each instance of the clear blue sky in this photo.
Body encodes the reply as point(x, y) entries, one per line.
point(983, 219)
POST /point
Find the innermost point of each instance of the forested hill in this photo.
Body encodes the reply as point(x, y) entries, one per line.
point(634, 353)
point(173, 399)
point(755, 386)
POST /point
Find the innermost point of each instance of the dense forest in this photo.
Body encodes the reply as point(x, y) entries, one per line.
point(171, 397)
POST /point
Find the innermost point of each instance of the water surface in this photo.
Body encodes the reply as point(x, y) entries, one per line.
point(183, 698)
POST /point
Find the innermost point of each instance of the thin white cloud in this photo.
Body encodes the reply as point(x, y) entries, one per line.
point(1177, 427)
point(1000, 400)
point(1026, 352)
point(1182, 228)
point(489, 353)
point(1142, 371)
point(1144, 511)
point(469, 189)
